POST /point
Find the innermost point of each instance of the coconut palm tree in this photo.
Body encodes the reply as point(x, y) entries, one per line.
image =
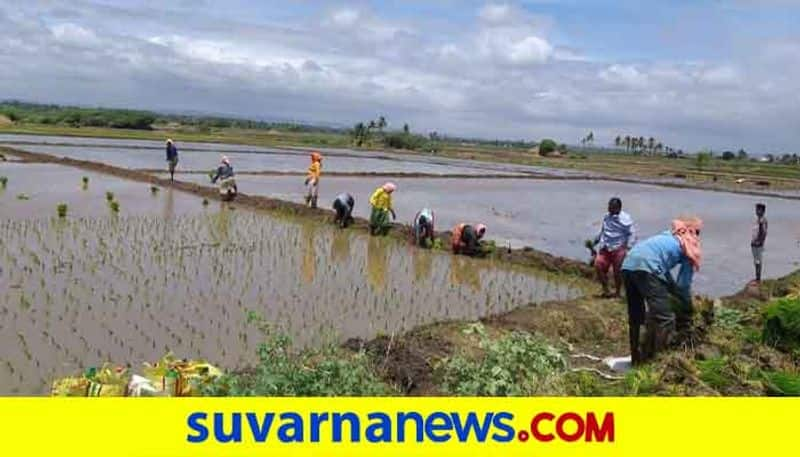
point(618, 141)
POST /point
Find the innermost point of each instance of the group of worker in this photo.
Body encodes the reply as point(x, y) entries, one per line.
point(644, 268)
point(465, 239)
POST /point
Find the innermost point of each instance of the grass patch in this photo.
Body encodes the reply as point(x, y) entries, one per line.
point(325, 372)
point(782, 324)
point(780, 383)
point(515, 364)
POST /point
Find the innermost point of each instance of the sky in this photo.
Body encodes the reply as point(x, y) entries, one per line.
point(694, 74)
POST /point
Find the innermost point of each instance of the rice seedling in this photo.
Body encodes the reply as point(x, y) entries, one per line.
point(109, 196)
point(154, 190)
point(61, 209)
point(114, 206)
point(205, 202)
point(3, 182)
point(85, 182)
point(23, 197)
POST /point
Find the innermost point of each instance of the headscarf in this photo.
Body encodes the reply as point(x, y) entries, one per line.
point(389, 187)
point(316, 157)
point(687, 231)
point(225, 160)
point(480, 229)
point(169, 140)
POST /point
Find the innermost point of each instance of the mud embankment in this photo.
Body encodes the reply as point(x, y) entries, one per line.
point(527, 256)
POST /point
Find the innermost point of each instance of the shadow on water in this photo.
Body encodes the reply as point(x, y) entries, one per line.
point(309, 252)
point(340, 246)
point(465, 273)
point(377, 256)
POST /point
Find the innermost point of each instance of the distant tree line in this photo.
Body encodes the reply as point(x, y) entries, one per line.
point(365, 133)
point(77, 117)
point(71, 116)
point(642, 145)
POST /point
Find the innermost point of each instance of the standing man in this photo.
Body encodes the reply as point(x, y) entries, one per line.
point(172, 159)
point(617, 235)
point(312, 179)
point(758, 239)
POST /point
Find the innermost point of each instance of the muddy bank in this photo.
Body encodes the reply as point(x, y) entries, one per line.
point(352, 174)
point(528, 257)
point(715, 358)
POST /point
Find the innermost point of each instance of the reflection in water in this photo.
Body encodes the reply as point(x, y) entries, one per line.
point(114, 297)
point(423, 261)
point(169, 204)
point(340, 246)
point(465, 273)
point(309, 252)
point(221, 224)
point(377, 257)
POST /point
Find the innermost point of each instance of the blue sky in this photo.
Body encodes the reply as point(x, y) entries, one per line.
point(694, 74)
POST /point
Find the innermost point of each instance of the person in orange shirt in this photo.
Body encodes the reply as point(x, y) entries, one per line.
point(312, 179)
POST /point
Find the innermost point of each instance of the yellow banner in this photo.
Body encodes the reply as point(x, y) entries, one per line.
point(386, 427)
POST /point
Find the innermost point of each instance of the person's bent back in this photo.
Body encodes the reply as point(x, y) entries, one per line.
point(343, 204)
point(648, 284)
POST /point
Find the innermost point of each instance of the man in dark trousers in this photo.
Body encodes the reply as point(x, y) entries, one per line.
point(172, 159)
point(758, 239)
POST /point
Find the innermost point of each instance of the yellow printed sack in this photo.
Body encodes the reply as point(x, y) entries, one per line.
point(180, 378)
point(70, 387)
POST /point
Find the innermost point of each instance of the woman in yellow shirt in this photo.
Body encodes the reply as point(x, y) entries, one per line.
point(381, 202)
point(312, 179)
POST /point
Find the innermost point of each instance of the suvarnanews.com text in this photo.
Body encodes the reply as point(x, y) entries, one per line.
point(401, 427)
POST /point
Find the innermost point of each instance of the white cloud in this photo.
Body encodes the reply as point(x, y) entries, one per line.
point(74, 34)
point(496, 13)
point(530, 50)
point(625, 75)
point(346, 17)
point(503, 74)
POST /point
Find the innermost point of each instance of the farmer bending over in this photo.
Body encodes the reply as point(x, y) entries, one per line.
point(649, 284)
point(423, 228)
point(227, 183)
point(343, 205)
point(466, 239)
point(616, 236)
point(381, 201)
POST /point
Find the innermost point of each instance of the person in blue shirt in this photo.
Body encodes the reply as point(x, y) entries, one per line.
point(649, 283)
point(172, 159)
point(617, 235)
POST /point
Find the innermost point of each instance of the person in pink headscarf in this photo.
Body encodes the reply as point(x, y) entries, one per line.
point(648, 284)
point(466, 239)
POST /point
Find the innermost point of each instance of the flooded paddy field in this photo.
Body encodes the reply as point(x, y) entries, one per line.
point(206, 160)
point(557, 216)
point(35, 190)
point(375, 159)
point(181, 276)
